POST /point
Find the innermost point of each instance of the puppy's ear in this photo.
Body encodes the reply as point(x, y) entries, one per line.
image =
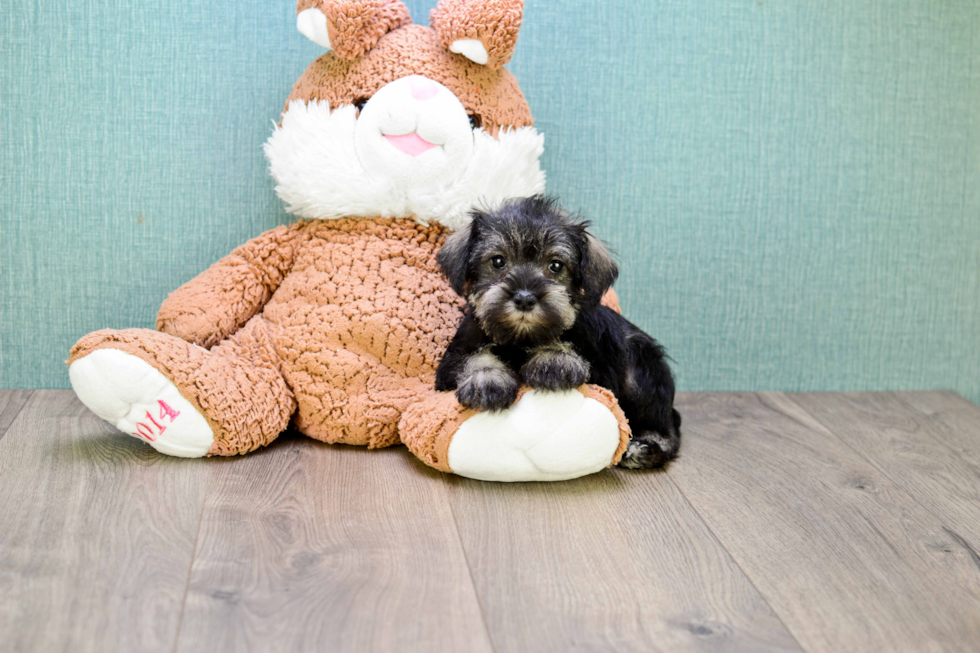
point(454, 257)
point(597, 268)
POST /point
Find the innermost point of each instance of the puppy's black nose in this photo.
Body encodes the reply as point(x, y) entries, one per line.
point(524, 300)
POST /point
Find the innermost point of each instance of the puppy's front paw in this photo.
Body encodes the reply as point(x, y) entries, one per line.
point(488, 390)
point(487, 383)
point(555, 368)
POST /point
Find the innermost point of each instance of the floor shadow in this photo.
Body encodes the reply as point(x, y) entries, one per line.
point(605, 481)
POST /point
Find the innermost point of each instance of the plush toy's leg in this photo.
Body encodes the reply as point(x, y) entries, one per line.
point(182, 399)
point(545, 436)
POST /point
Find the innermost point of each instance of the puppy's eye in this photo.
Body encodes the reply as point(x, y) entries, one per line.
point(555, 267)
point(359, 104)
point(475, 121)
point(498, 261)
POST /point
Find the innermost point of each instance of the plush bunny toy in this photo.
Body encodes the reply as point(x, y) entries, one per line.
point(336, 323)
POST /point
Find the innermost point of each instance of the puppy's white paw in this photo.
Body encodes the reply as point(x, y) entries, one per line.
point(133, 396)
point(546, 436)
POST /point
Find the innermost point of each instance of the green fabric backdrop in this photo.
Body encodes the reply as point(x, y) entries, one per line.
point(793, 188)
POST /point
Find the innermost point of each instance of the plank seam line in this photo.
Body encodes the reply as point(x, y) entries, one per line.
point(190, 572)
point(731, 556)
point(469, 568)
point(898, 486)
point(735, 561)
point(17, 414)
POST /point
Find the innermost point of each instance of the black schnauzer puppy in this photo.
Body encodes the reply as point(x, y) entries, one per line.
point(533, 278)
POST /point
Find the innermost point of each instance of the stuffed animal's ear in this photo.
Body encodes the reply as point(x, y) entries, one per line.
point(598, 269)
point(484, 31)
point(454, 257)
point(349, 27)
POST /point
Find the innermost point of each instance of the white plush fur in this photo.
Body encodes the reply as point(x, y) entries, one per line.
point(547, 436)
point(325, 169)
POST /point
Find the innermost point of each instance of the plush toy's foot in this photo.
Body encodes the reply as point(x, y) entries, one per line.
point(182, 399)
point(544, 437)
point(130, 394)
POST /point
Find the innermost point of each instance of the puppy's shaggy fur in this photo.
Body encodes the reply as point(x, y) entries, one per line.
point(533, 278)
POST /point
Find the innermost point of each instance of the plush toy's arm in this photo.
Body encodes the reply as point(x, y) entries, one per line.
point(217, 302)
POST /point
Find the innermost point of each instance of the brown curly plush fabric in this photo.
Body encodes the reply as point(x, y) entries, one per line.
point(492, 96)
point(354, 26)
point(362, 320)
point(355, 315)
point(495, 23)
point(220, 300)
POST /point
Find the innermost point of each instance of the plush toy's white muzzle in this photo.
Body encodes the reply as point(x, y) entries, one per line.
point(414, 130)
point(409, 152)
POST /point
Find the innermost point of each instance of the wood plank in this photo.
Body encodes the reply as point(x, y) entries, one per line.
point(846, 558)
point(953, 420)
point(97, 533)
point(617, 561)
point(305, 546)
point(907, 446)
point(11, 403)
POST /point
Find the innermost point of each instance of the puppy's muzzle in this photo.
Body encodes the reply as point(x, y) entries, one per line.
point(524, 306)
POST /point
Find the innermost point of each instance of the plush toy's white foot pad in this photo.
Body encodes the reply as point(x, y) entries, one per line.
point(546, 436)
point(133, 396)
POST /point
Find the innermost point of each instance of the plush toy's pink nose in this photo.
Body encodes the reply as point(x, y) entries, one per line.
point(422, 88)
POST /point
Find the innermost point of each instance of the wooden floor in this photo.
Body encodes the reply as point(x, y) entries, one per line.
point(817, 522)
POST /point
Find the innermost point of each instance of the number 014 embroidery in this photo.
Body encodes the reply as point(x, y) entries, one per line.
point(145, 431)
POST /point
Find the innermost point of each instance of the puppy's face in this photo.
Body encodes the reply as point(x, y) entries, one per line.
point(522, 285)
point(527, 269)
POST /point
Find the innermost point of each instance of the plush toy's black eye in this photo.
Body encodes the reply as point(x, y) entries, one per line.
point(360, 102)
point(555, 267)
point(475, 121)
point(498, 261)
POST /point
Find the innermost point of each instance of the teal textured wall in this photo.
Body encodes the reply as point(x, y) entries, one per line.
point(793, 188)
